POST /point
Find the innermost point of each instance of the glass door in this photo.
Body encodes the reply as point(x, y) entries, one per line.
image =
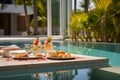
point(55, 7)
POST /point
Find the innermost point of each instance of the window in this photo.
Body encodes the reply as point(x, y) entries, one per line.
point(55, 17)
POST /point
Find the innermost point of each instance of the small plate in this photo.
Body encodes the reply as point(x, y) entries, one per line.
point(57, 58)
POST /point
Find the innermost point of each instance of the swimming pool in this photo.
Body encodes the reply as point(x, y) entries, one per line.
point(109, 50)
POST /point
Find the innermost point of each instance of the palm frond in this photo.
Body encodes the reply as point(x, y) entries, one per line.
point(102, 4)
point(40, 6)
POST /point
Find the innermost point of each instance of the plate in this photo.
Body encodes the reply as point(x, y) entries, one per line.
point(25, 58)
point(57, 58)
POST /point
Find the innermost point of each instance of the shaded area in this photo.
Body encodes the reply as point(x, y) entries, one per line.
point(112, 73)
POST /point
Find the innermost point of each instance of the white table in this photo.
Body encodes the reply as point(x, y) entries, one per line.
point(17, 67)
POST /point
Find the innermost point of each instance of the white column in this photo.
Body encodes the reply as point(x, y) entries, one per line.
point(62, 17)
point(69, 8)
point(49, 18)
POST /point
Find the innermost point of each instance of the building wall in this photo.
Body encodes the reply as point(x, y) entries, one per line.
point(4, 23)
point(18, 26)
point(21, 25)
point(12, 24)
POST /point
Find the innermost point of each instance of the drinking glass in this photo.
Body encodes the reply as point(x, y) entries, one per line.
point(27, 47)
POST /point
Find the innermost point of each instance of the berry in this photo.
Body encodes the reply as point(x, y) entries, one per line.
point(46, 42)
point(36, 43)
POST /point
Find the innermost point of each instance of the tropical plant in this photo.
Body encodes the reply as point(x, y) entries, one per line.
point(114, 13)
point(78, 24)
point(102, 22)
point(98, 18)
point(41, 17)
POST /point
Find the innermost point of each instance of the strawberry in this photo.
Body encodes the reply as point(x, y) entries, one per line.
point(46, 42)
point(36, 43)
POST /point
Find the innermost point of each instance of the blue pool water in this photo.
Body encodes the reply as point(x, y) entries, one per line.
point(108, 50)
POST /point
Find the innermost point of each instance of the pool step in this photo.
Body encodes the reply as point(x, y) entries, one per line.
point(109, 73)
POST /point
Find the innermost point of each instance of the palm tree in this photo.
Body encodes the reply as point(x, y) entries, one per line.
point(103, 5)
point(35, 16)
point(26, 17)
point(114, 12)
point(86, 6)
point(99, 20)
point(75, 4)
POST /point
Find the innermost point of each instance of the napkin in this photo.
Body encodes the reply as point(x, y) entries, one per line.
point(11, 47)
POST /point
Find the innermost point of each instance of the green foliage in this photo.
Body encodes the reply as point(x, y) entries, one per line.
point(41, 21)
point(41, 13)
point(77, 24)
point(102, 22)
point(102, 4)
point(20, 2)
point(78, 21)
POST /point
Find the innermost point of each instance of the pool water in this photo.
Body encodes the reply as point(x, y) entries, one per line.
point(108, 50)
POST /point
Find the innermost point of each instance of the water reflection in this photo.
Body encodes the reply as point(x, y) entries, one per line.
point(81, 74)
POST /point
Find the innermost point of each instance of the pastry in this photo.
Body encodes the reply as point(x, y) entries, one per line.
point(52, 54)
point(59, 54)
point(68, 55)
point(38, 55)
point(21, 55)
point(62, 54)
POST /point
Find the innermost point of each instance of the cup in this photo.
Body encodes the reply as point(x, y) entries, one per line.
point(27, 47)
point(7, 53)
